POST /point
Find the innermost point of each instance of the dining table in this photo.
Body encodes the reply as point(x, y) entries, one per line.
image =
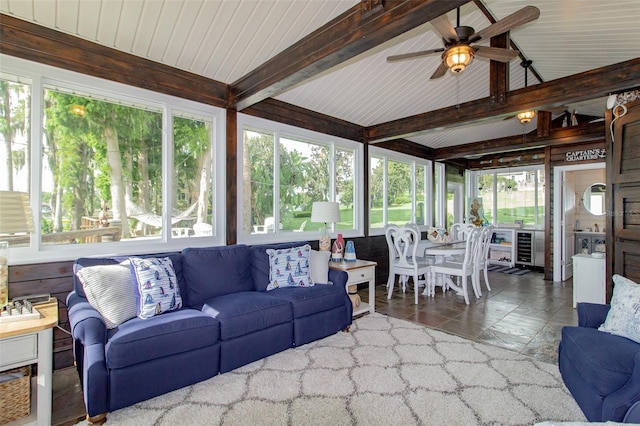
point(441, 251)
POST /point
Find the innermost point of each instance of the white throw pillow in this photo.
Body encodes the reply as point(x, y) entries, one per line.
point(109, 289)
point(623, 318)
point(319, 268)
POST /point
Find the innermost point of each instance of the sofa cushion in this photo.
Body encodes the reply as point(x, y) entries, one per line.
point(156, 286)
point(623, 318)
point(308, 301)
point(260, 263)
point(289, 267)
point(216, 271)
point(247, 312)
point(139, 340)
point(590, 350)
point(110, 291)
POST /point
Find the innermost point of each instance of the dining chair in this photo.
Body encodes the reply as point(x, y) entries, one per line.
point(459, 230)
point(408, 263)
point(390, 233)
point(482, 255)
point(464, 270)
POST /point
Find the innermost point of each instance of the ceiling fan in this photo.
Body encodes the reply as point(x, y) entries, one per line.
point(457, 52)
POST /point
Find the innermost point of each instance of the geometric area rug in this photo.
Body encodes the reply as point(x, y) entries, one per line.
point(385, 371)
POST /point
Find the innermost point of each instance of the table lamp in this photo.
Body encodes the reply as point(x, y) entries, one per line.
point(15, 217)
point(325, 212)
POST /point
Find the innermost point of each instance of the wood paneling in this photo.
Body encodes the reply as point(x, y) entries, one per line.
point(40, 44)
point(282, 112)
point(346, 36)
point(623, 196)
point(559, 136)
point(56, 279)
point(580, 87)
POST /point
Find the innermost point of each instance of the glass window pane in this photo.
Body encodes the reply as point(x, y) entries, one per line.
point(105, 162)
point(192, 158)
point(376, 193)
point(258, 181)
point(304, 178)
point(516, 197)
point(399, 192)
point(485, 192)
point(541, 198)
point(421, 208)
point(345, 183)
point(15, 148)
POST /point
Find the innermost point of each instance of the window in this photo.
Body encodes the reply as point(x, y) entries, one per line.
point(510, 195)
point(284, 170)
point(113, 164)
point(398, 190)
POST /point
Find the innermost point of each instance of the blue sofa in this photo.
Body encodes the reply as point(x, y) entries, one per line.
point(601, 370)
point(228, 319)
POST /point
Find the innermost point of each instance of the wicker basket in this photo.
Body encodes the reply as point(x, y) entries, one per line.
point(15, 396)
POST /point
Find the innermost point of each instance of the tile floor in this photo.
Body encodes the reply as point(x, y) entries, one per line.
point(521, 313)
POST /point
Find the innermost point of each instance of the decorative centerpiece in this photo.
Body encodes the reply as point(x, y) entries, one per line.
point(439, 235)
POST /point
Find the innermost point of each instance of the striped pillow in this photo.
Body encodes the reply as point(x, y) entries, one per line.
point(109, 289)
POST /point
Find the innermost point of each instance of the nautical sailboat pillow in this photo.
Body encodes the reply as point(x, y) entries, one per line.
point(156, 286)
point(289, 267)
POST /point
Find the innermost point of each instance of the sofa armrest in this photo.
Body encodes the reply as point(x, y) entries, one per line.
point(616, 405)
point(338, 277)
point(592, 315)
point(90, 337)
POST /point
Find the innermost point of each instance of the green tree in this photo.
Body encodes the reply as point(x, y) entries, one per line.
point(13, 108)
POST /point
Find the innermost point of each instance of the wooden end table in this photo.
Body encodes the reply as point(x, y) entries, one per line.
point(360, 271)
point(28, 342)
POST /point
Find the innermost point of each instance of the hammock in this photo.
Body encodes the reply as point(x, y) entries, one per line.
point(137, 212)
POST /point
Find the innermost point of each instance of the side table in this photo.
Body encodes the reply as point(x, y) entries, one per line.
point(360, 271)
point(27, 342)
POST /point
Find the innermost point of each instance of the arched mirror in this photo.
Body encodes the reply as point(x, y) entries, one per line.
point(593, 199)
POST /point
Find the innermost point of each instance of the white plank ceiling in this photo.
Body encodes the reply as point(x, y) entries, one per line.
point(226, 39)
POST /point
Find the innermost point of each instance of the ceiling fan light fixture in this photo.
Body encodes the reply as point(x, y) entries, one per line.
point(458, 57)
point(526, 116)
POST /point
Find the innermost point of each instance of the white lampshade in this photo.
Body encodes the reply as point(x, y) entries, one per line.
point(325, 212)
point(15, 213)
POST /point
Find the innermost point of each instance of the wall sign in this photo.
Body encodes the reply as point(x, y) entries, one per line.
point(586, 154)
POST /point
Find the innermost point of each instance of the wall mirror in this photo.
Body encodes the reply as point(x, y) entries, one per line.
point(593, 199)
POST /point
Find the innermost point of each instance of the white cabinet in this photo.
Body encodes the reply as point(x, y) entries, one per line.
point(588, 279)
point(502, 247)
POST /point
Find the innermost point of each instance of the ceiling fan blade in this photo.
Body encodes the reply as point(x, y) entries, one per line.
point(496, 53)
point(524, 15)
point(440, 71)
point(443, 27)
point(412, 55)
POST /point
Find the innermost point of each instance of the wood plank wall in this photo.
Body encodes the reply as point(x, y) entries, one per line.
point(56, 279)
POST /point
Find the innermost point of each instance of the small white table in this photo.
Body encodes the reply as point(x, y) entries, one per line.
point(360, 271)
point(444, 250)
point(30, 341)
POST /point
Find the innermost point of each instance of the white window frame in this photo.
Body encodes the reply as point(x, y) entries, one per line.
point(472, 184)
point(41, 76)
point(297, 133)
point(387, 155)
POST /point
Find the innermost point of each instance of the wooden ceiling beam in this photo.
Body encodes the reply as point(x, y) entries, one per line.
point(567, 135)
point(350, 34)
point(588, 85)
